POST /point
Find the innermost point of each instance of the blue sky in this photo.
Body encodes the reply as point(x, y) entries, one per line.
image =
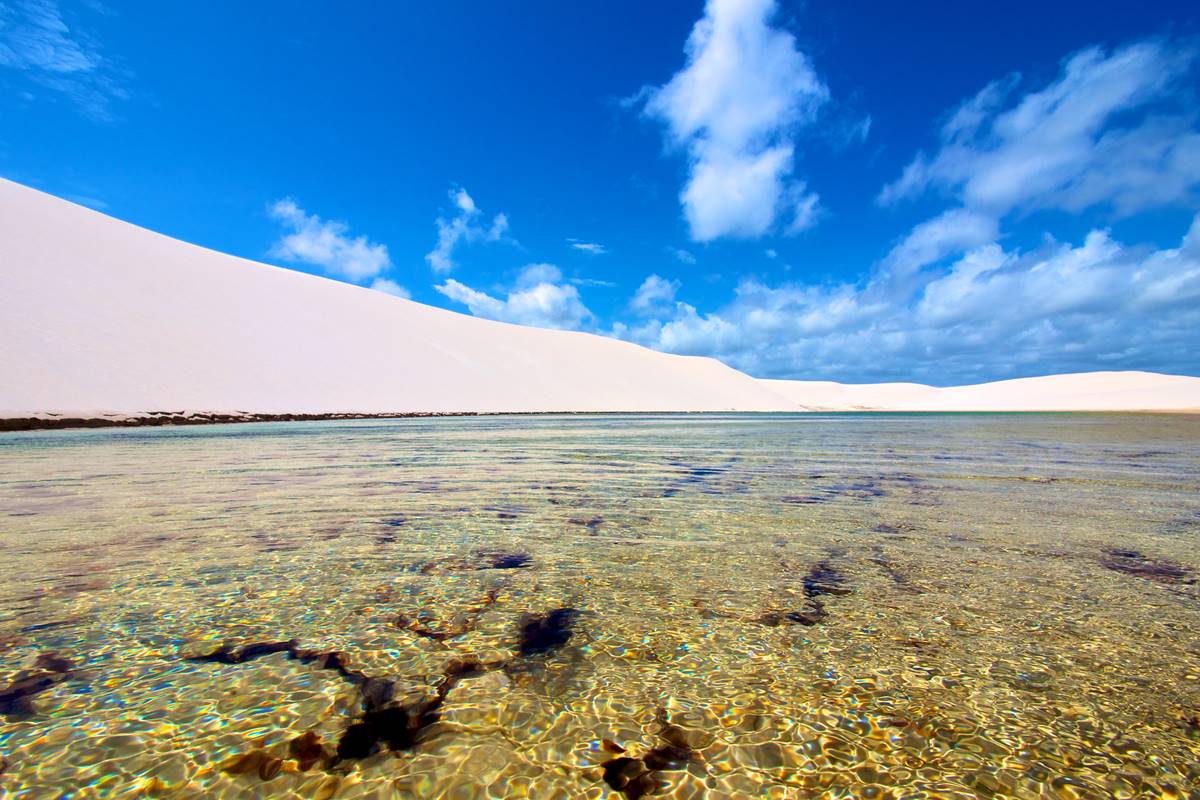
point(856, 191)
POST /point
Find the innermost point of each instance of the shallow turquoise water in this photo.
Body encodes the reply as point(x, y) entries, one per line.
point(746, 605)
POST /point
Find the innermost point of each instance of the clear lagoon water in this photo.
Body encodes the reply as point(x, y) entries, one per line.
point(717, 606)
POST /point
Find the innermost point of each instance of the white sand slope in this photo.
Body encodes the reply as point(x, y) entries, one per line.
point(1085, 391)
point(99, 316)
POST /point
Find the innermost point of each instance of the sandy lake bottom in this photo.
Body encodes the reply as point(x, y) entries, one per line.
point(718, 606)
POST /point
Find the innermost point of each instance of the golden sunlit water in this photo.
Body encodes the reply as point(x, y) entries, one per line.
point(717, 606)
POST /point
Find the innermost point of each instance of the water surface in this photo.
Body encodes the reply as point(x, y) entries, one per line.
point(876, 606)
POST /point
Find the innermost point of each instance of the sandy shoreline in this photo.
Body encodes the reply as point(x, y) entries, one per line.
point(43, 422)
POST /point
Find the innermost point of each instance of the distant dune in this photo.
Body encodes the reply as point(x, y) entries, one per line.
point(99, 317)
point(1085, 391)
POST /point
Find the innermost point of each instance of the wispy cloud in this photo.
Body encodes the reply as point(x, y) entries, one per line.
point(681, 255)
point(87, 200)
point(735, 107)
point(326, 244)
point(588, 247)
point(538, 298)
point(1115, 129)
point(36, 39)
point(463, 227)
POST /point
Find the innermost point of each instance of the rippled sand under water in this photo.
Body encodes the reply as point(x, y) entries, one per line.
point(604, 607)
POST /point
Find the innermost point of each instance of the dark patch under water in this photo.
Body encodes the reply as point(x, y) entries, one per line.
point(592, 523)
point(480, 560)
point(697, 475)
point(546, 632)
point(385, 722)
point(901, 580)
point(465, 624)
point(396, 726)
point(822, 579)
point(49, 669)
point(1132, 562)
point(637, 777)
point(308, 750)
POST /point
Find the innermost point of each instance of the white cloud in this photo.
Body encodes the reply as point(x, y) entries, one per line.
point(36, 39)
point(949, 233)
point(464, 227)
point(533, 274)
point(1112, 130)
point(537, 299)
point(588, 247)
point(388, 286)
point(592, 282)
point(951, 301)
point(681, 255)
point(326, 244)
point(654, 293)
point(993, 313)
point(735, 106)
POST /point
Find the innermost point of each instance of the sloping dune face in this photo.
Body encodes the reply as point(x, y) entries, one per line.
point(99, 315)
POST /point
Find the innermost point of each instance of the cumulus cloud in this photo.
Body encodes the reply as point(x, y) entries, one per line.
point(36, 39)
point(734, 107)
point(326, 244)
point(1113, 129)
point(590, 248)
point(992, 313)
point(654, 293)
point(538, 298)
point(467, 225)
point(388, 286)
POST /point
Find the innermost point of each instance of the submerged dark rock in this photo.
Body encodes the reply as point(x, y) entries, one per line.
point(823, 579)
point(894, 528)
point(637, 777)
point(496, 559)
point(384, 722)
point(397, 726)
point(547, 632)
point(806, 499)
point(307, 750)
point(480, 560)
point(1132, 562)
point(698, 475)
point(810, 616)
point(49, 669)
point(465, 624)
point(892, 571)
point(237, 654)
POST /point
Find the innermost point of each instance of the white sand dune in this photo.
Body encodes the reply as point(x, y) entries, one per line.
point(1085, 391)
point(98, 316)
